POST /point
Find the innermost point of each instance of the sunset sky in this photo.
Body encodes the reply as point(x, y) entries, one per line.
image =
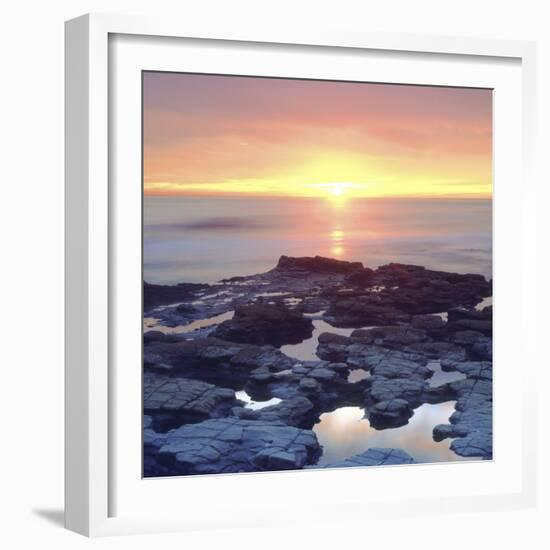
point(206, 135)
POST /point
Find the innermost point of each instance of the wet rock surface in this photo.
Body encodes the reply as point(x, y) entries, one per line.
point(231, 445)
point(172, 401)
point(158, 295)
point(260, 323)
point(297, 411)
point(375, 457)
point(203, 343)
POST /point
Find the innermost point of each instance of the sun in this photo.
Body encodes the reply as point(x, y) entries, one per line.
point(336, 192)
point(338, 188)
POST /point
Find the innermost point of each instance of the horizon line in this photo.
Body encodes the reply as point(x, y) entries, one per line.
point(481, 196)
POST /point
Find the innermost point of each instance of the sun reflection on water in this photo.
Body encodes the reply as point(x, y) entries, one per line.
point(337, 241)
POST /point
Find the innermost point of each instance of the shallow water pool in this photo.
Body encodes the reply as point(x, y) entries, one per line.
point(345, 432)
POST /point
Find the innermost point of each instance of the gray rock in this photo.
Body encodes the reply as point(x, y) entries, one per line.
point(467, 337)
point(322, 374)
point(432, 324)
point(390, 414)
point(231, 445)
point(375, 457)
point(472, 423)
point(397, 337)
point(309, 385)
point(297, 411)
point(174, 401)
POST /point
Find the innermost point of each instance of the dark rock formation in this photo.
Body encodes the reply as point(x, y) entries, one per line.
point(467, 319)
point(318, 264)
point(433, 325)
point(364, 310)
point(158, 295)
point(209, 359)
point(261, 324)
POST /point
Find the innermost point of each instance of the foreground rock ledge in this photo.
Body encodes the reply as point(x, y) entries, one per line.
point(232, 445)
point(375, 457)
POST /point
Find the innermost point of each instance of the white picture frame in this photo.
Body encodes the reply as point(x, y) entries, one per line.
point(99, 501)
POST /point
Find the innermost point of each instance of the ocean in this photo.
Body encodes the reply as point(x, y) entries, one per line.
point(205, 239)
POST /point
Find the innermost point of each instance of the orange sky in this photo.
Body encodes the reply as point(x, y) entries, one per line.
point(207, 134)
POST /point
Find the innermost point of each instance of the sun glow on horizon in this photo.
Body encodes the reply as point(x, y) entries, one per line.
point(336, 189)
point(249, 136)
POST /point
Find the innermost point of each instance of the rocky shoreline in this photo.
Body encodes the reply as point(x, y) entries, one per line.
point(205, 345)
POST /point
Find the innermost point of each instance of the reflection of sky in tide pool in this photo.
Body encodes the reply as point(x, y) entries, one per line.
point(440, 377)
point(204, 239)
point(151, 323)
point(344, 433)
point(306, 350)
point(255, 405)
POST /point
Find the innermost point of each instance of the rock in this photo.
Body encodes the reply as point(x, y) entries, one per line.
point(390, 414)
point(483, 326)
point(261, 374)
point(338, 367)
point(472, 423)
point(393, 337)
point(152, 336)
point(231, 445)
point(475, 370)
point(296, 411)
point(445, 351)
point(462, 313)
point(482, 350)
point(212, 360)
point(364, 310)
point(375, 457)
point(361, 277)
point(384, 389)
point(318, 264)
point(262, 324)
point(309, 385)
point(322, 374)
point(157, 295)
point(467, 337)
point(433, 325)
point(171, 402)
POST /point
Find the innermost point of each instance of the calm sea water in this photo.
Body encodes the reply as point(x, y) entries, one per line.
point(204, 239)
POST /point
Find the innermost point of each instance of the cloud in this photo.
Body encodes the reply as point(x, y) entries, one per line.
point(204, 129)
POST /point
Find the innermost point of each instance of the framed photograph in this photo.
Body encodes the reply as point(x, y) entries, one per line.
point(292, 264)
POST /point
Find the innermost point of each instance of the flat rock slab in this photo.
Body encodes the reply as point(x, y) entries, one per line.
point(184, 399)
point(375, 457)
point(231, 445)
point(296, 411)
point(472, 423)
